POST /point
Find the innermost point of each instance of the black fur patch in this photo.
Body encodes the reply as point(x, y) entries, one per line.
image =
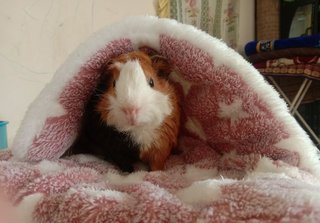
point(103, 141)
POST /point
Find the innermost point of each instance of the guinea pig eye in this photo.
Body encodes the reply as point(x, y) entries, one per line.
point(114, 83)
point(151, 83)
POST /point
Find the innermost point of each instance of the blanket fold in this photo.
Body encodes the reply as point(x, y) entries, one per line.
point(244, 157)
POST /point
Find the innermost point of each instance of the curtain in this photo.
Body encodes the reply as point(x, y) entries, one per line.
point(219, 18)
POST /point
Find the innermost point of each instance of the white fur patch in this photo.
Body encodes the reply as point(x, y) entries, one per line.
point(133, 178)
point(85, 158)
point(27, 206)
point(49, 167)
point(96, 194)
point(132, 90)
point(195, 174)
point(202, 192)
point(232, 111)
point(307, 159)
point(265, 166)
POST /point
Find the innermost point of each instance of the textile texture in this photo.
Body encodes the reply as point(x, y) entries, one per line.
point(244, 157)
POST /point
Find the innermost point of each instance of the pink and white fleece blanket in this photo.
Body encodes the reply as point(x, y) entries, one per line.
point(244, 159)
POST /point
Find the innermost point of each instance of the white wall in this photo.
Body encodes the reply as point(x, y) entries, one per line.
point(38, 35)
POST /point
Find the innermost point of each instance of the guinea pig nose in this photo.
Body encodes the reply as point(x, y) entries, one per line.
point(130, 110)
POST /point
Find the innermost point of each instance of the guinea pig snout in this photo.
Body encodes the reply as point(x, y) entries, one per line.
point(131, 113)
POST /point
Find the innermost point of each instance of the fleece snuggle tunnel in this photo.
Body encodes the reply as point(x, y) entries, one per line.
point(244, 157)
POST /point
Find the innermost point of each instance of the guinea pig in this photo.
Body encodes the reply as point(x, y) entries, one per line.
point(134, 113)
point(99, 139)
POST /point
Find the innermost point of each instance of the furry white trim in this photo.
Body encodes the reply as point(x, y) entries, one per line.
point(49, 167)
point(145, 30)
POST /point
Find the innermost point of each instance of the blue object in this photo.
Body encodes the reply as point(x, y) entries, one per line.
point(268, 45)
point(3, 135)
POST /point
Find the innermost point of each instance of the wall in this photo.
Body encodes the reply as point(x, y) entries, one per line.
point(38, 35)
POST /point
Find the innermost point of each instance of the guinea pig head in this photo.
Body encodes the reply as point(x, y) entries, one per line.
point(137, 99)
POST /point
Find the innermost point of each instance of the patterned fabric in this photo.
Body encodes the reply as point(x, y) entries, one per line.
point(296, 70)
point(219, 18)
point(63, 128)
point(296, 66)
point(163, 8)
point(281, 62)
point(244, 158)
point(194, 188)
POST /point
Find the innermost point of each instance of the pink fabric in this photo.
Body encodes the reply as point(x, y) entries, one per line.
point(211, 88)
point(59, 132)
point(258, 132)
point(233, 132)
point(79, 190)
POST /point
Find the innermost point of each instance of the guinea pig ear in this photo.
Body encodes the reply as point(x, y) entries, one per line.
point(116, 65)
point(162, 66)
